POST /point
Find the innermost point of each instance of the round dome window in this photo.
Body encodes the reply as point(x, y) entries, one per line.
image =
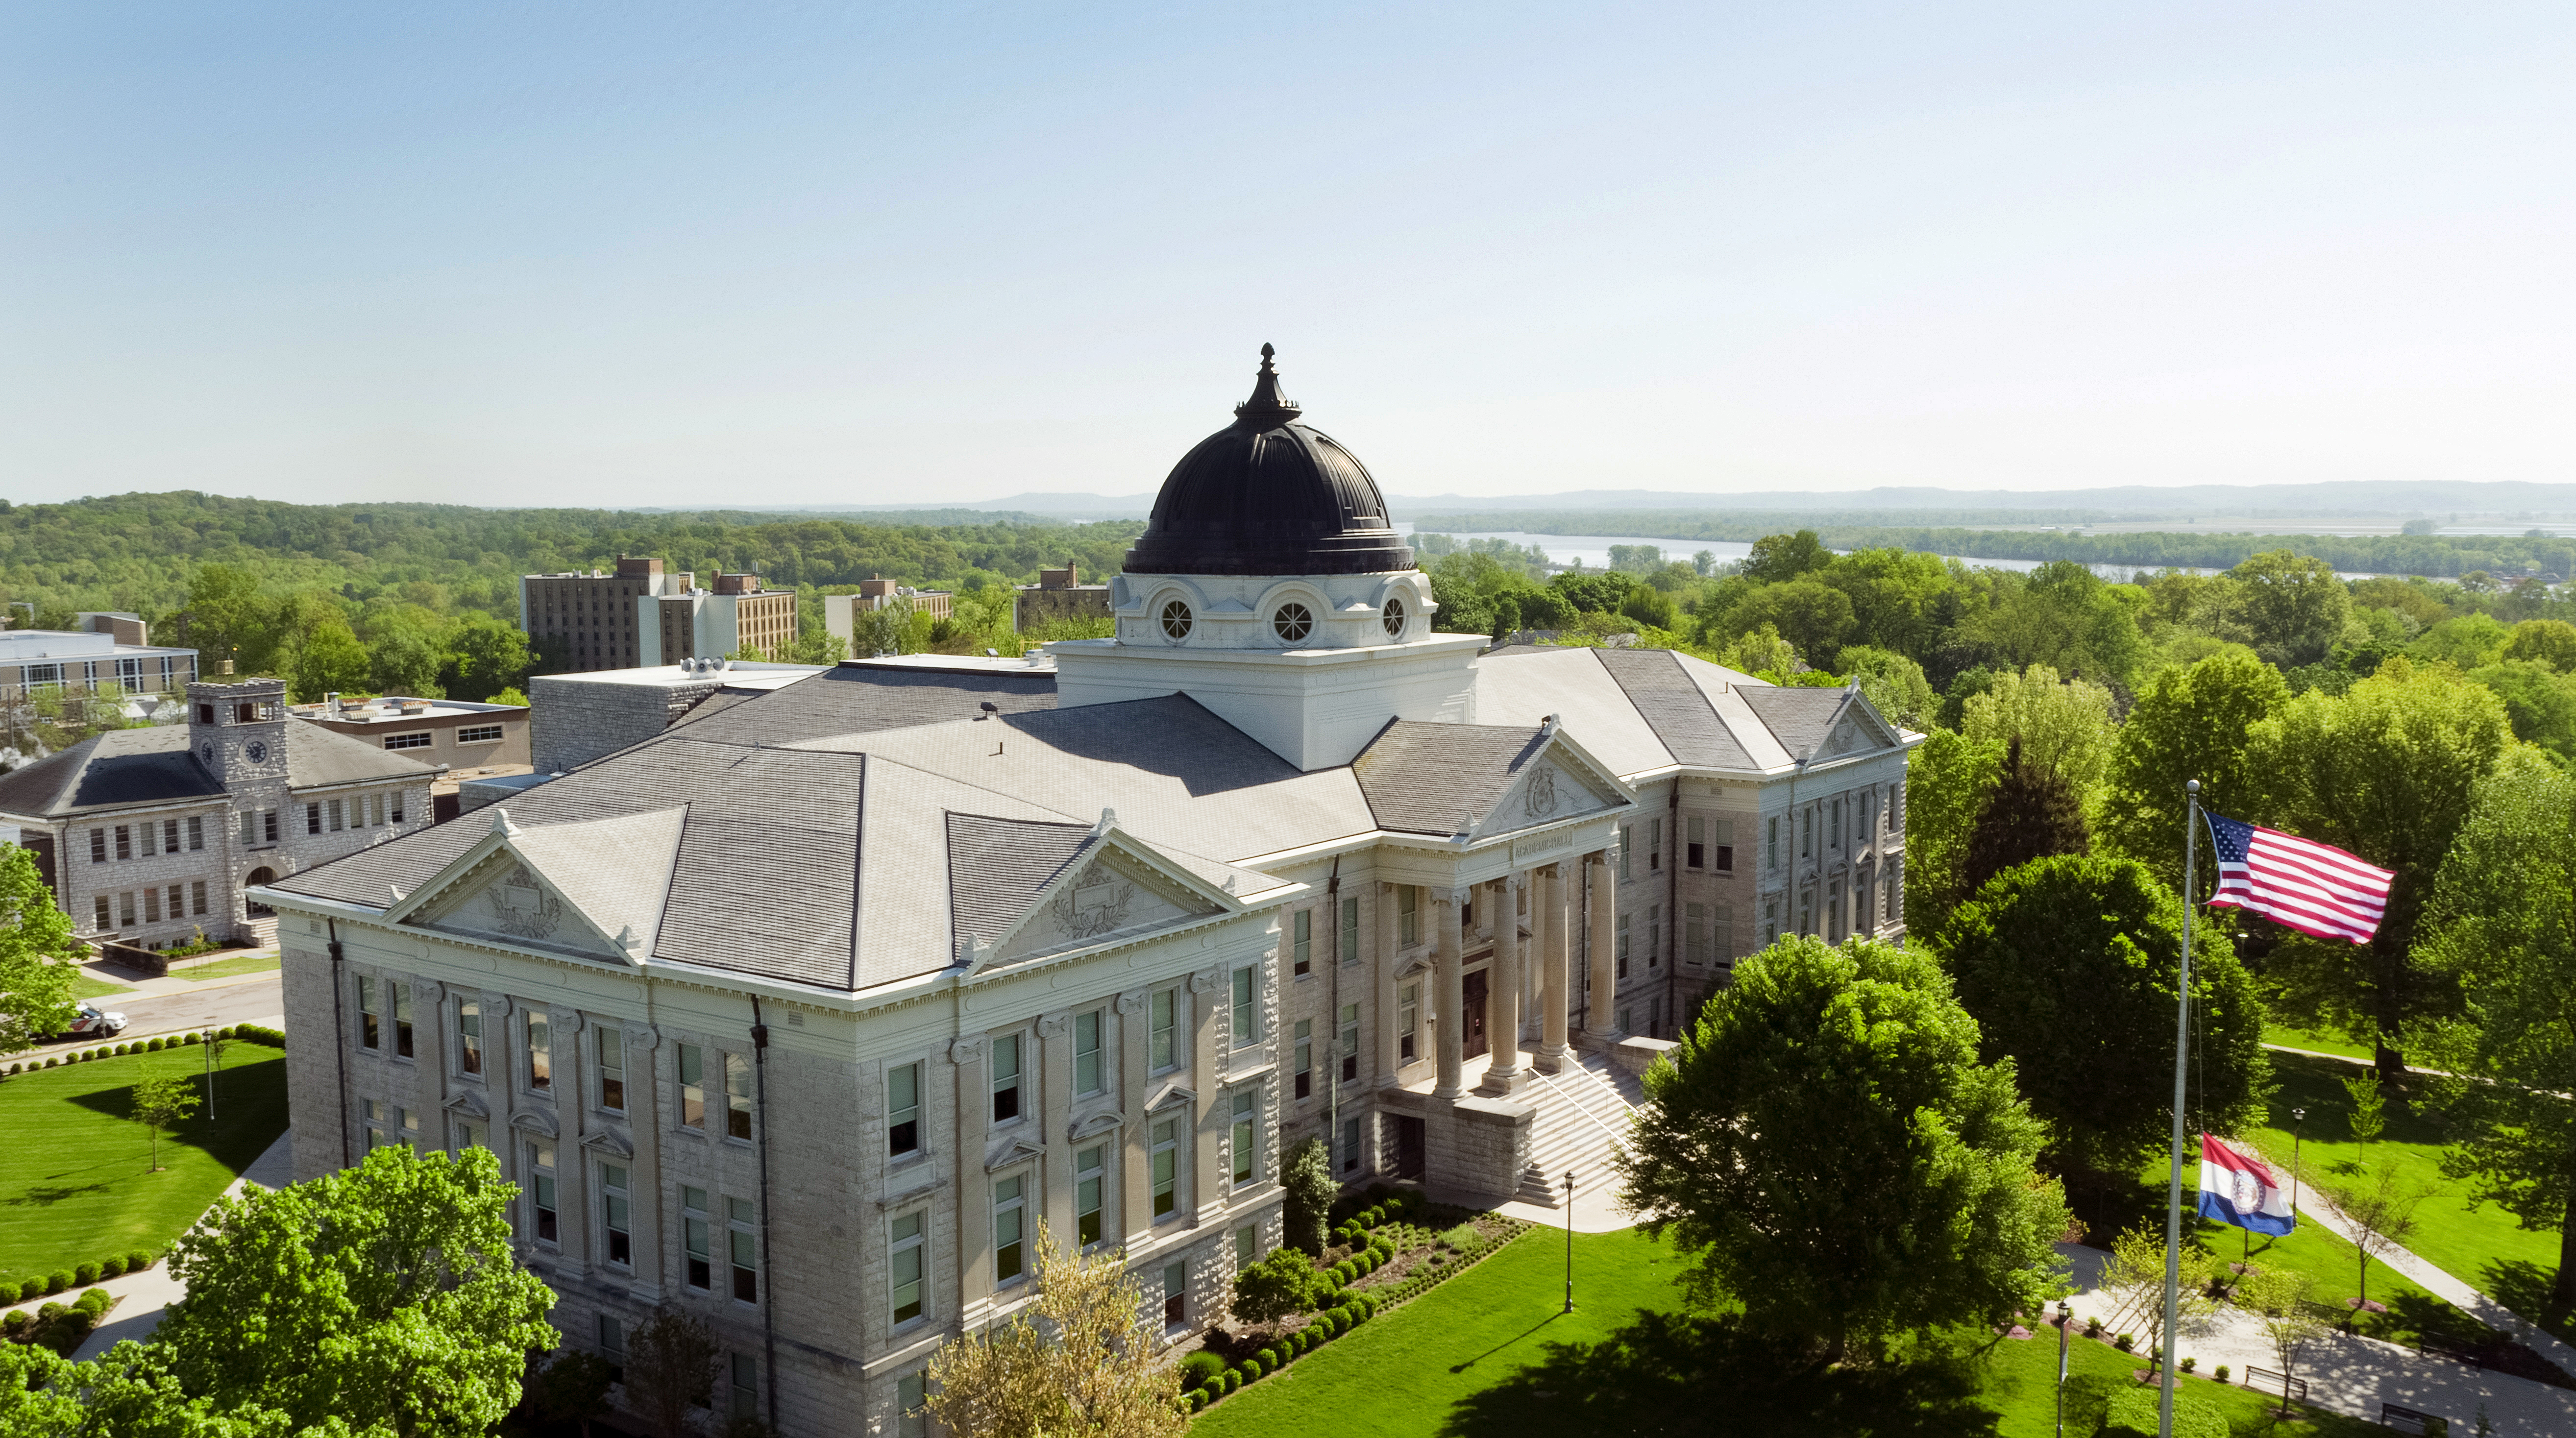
point(1395, 619)
point(1293, 622)
point(1176, 620)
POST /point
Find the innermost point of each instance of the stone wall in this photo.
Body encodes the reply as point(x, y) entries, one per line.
point(572, 721)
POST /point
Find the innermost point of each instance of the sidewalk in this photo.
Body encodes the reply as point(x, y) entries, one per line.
point(142, 1296)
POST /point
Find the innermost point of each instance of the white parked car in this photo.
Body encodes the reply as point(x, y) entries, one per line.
point(93, 1021)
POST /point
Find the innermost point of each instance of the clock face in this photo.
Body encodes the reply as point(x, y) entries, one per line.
point(258, 751)
point(206, 751)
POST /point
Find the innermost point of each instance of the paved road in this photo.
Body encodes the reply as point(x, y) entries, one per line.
point(147, 1015)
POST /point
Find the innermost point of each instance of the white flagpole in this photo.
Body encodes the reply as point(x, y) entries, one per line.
point(2182, 1046)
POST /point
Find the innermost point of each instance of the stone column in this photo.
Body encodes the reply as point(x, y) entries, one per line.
point(503, 1061)
point(1135, 1057)
point(1603, 1021)
point(1503, 1009)
point(644, 1183)
point(1210, 990)
point(1382, 970)
point(570, 1031)
point(1055, 1080)
point(974, 1202)
point(1449, 981)
point(1547, 918)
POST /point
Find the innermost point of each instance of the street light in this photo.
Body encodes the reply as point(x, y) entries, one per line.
point(2065, 1321)
point(2298, 1123)
point(1569, 1240)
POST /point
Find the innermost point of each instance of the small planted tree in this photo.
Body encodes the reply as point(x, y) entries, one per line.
point(1285, 1283)
point(2279, 1300)
point(2369, 1114)
point(671, 1363)
point(1306, 1176)
point(2381, 1217)
point(157, 1104)
point(1078, 1360)
point(38, 955)
point(2135, 1284)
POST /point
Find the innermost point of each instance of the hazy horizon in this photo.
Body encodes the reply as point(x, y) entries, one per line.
point(679, 258)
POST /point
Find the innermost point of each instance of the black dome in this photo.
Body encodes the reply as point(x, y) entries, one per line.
point(1267, 495)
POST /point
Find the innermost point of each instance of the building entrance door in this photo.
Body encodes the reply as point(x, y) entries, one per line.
point(1408, 1147)
point(1472, 1011)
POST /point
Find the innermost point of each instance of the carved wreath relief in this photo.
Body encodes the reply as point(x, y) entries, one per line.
point(523, 907)
point(1087, 911)
point(1540, 797)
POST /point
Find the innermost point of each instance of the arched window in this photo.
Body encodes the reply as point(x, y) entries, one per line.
point(1176, 620)
point(1293, 622)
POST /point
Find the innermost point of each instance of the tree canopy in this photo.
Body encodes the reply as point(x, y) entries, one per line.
point(37, 955)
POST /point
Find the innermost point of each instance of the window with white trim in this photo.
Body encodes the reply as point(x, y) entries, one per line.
point(541, 1189)
point(479, 734)
point(1305, 1058)
point(696, 1238)
point(1302, 938)
point(612, 1068)
point(420, 740)
point(1166, 1023)
point(1167, 1167)
point(742, 1243)
point(1010, 1252)
point(903, 1110)
point(1006, 1078)
point(1090, 1175)
point(1247, 1006)
point(1247, 1116)
point(692, 1064)
point(904, 1250)
point(1086, 1053)
point(614, 1216)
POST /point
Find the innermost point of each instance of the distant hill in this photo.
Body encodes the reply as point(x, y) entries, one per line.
point(2383, 498)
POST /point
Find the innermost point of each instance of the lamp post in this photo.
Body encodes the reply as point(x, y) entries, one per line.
point(2298, 1123)
point(1569, 1240)
point(2065, 1321)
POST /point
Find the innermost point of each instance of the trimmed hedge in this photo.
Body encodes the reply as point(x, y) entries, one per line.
point(260, 1034)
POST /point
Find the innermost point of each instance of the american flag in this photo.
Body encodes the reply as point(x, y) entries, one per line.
point(2306, 885)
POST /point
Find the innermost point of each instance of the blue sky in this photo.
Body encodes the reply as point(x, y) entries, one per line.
point(642, 254)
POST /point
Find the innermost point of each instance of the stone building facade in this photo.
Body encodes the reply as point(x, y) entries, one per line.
point(835, 991)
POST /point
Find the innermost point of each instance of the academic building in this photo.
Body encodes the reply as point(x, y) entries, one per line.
point(802, 1012)
point(640, 616)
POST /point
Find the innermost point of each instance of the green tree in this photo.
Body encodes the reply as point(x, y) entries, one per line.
point(1306, 1177)
point(1779, 558)
point(159, 1103)
point(2279, 1300)
point(2469, 641)
point(2292, 606)
point(1948, 780)
point(228, 618)
point(2385, 772)
point(127, 1392)
point(1282, 1284)
point(38, 955)
point(2502, 927)
point(2369, 1109)
point(403, 660)
point(1807, 612)
point(329, 660)
point(2194, 723)
point(2032, 814)
point(1760, 651)
point(2064, 617)
point(1080, 1361)
point(1826, 1147)
point(484, 657)
point(1893, 684)
point(2547, 641)
point(672, 1361)
point(2539, 702)
point(2068, 966)
point(386, 1294)
point(2063, 727)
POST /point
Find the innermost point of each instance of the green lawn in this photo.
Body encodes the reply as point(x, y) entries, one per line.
point(2021, 1383)
point(2315, 1041)
point(2479, 1244)
point(226, 968)
point(73, 1180)
point(86, 985)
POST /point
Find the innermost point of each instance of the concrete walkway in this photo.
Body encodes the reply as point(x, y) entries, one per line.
point(140, 1297)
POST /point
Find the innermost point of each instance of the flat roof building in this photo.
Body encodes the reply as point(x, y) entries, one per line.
point(86, 661)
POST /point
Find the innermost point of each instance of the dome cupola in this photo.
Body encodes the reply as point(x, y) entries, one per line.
point(1269, 495)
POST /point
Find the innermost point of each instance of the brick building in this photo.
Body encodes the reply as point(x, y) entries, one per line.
point(1058, 594)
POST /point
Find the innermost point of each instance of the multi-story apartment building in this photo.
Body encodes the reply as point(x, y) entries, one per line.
point(1059, 594)
point(148, 835)
point(715, 623)
point(802, 1013)
point(640, 615)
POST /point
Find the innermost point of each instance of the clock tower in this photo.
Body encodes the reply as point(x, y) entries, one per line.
point(238, 732)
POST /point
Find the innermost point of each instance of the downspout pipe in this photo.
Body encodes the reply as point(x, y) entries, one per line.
point(1333, 1025)
point(1673, 899)
point(340, 1034)
point(760, 1109)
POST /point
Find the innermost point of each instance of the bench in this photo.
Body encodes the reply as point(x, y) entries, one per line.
point(2435, 1346)
point(2406, 1420)
point(2264, 1380)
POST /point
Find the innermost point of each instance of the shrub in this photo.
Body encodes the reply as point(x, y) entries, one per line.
point(2124, 1342)
point(121, 1048)
point(16, 1322)
point(1343, 1273)
point(52, 1060)
point(111, 1268)
point(152, 1046)
point(58, 1280)
point(225, 1032)
point(191, 1037)
point(2092, 1326)
point(96, 1300)
point(1199, 1367)
point(2219, 1373)
point(8, 1293)
point(2189, 1364)
point(86, 1274)
point(1198, 1397)
point(1462, 1238)
point(137, 1261)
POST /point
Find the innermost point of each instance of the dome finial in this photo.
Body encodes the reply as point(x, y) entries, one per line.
point(1268, 408)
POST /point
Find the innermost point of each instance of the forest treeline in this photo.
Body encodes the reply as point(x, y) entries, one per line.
point(2435, 556)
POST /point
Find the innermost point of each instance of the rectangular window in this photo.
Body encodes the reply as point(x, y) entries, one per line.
point(1006, 1078)
point(612, 1069)
point(613, 1215)
point(541, 1192)
point(124, 842)
point(1247, 1245)
point(1834, 835)
point(1302, 943)
point(379, 1124)
point(1305, 1058)
point(1009, 1255)
point(1770, 922)
point(469, 1036)
point(1721, 932)
point(371, 1015)
point(696, 1236)
point(1347, 945)
point(1176, 1293)
point(1247, 1011)
point(197, 897)
point(612, 1346)
point(1167, 1166)
point(693, 1088)
point(903, 1249)
point(1408, 915)
point(375, 808)
point(143, 838)
point(313, 818)
point(1654, 935)
point(1807, 832)
point(479, 734)
point(152, 906)
point(170, 835)
point(1623, 946)
point(402, 1019)
point(268, 826)
point(106, 921)
point(1408, 1019)
point(1695, 933)
point(394, 804)
point(742, 1391)
point(1350, 1042)
point(1350, 1145)
point(1086, 1052)
point(178, 901)
point(98, 846)
point(1089, 1168)
point(468, 1136)
point(1695, 850)
point(407, 741)
point(541, 1053)
point(197, 833)
point(1771, 844)
point(737, 1096)
point(1627, 845)
point(1806, 911)
point(903, 1110)
point(911, 1394)
point(1247, 1112)
point(125, 908)
point(338, 812)
point(1166, 1054)
point(1654, 846)
point(743, 1244)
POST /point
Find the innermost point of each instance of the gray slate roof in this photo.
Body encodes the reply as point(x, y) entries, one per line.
point(851, 700)
point(1801, 717)
point(997, 866)
point(153, 765)
point(1441, 778)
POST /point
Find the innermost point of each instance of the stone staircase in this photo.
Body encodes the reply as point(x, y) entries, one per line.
point(1582, 1121)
